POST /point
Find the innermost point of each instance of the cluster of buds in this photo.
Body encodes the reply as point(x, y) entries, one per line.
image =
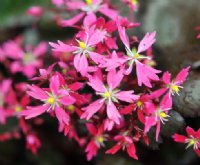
point(113, 93)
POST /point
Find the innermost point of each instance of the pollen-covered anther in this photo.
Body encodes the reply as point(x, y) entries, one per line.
point(82, 45)
point(137, 55)
point(70, 107)
point(107, 95)
point(51, 100)
point(162, 114)
point(88, 2)
point(100, 139)
point(174, 88)
point(139, 103)
point(18, 108)
point(192, 142)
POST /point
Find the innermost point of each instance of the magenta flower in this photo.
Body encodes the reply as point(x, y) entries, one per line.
point(32, 143)
point(35, 11)
point(144, 73)
point(109, 94)
point(171, 86)
point(25, 62)
point(157, 115)
point(87, 7)
point(192, 139)
point(5, 87)
point(83, 49)
point(52, 99)
point(124, 142)
point(96, 142)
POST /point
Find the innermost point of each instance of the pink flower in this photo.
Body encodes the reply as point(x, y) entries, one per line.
point(192, 139)
point(144, 73)
point(32, 143)
point(109, 94)
point(157, 115)
point(35, 11)
point(96, 142)
point(171, 87)
point(53, 101)
point(5, 87)
point(25, 61)
point(83, 49)
point(124, 142)
point(87, 7)
point(57, 2)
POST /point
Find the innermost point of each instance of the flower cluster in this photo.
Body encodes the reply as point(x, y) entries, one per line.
point(102, 80)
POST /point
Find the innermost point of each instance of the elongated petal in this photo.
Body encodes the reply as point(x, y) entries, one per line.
point(92, 109)
point(190, 131)
point(132, 151)
point(37, 93)
point(126, 96)
point(113, 113)
point(114, 149)
point(72, 21)
point(166, 78)
point(92, 129)
point(157, 130)
point(149, 122)
point(67, 100)
point(34, 111)
point(91, 150)
point(114, 78)
point(145, 74)
point(179, 138)
point(108, 12)
point(96, 84)
point(54, 84)
point(40, 49)
point(61, 115)
point(61, 47)
point(147, 42)
point(182, 75)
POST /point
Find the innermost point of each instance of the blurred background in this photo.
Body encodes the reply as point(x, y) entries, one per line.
point(176, 47)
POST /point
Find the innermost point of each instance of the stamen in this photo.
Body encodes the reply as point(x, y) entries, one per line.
point(51, 100)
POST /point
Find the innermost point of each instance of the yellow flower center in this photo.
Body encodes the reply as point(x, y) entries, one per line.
point(137, 55)
point(100, 139)
point(70, 107)
point(51, 100)
point(139, 103)
point(88, 2)
point(134, 2)
point(18, 108)
point(162, 114)
point(28, 58)
point(82, 45)
point(192, 142)
point(175, 88)
point(107, 95)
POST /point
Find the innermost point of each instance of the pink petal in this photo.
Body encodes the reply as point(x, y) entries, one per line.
point(108, 12)
point(114, 78)
point(75, 5)
point(114, 149)
point(166, 78)
point(40, 49)
point(97, 58)
point(37, 93)
point(145, 74)
point(122, 34)
point(132, 151)
point(179, 138)
point(61, 47)
point(61, 115)
point(147, 42)
point(149, 122)
point(182, 75)
point(190, 131)
point(92, 109)
point(112, 112)
point(83, 65)
point(54, 84)
point(34, 111)
point(157, 130)
point(67, 100)
point(91, 150)
point(96, 84)
point(91, 128)
point(72, 21)
point(126, 96)
point(96, 37)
